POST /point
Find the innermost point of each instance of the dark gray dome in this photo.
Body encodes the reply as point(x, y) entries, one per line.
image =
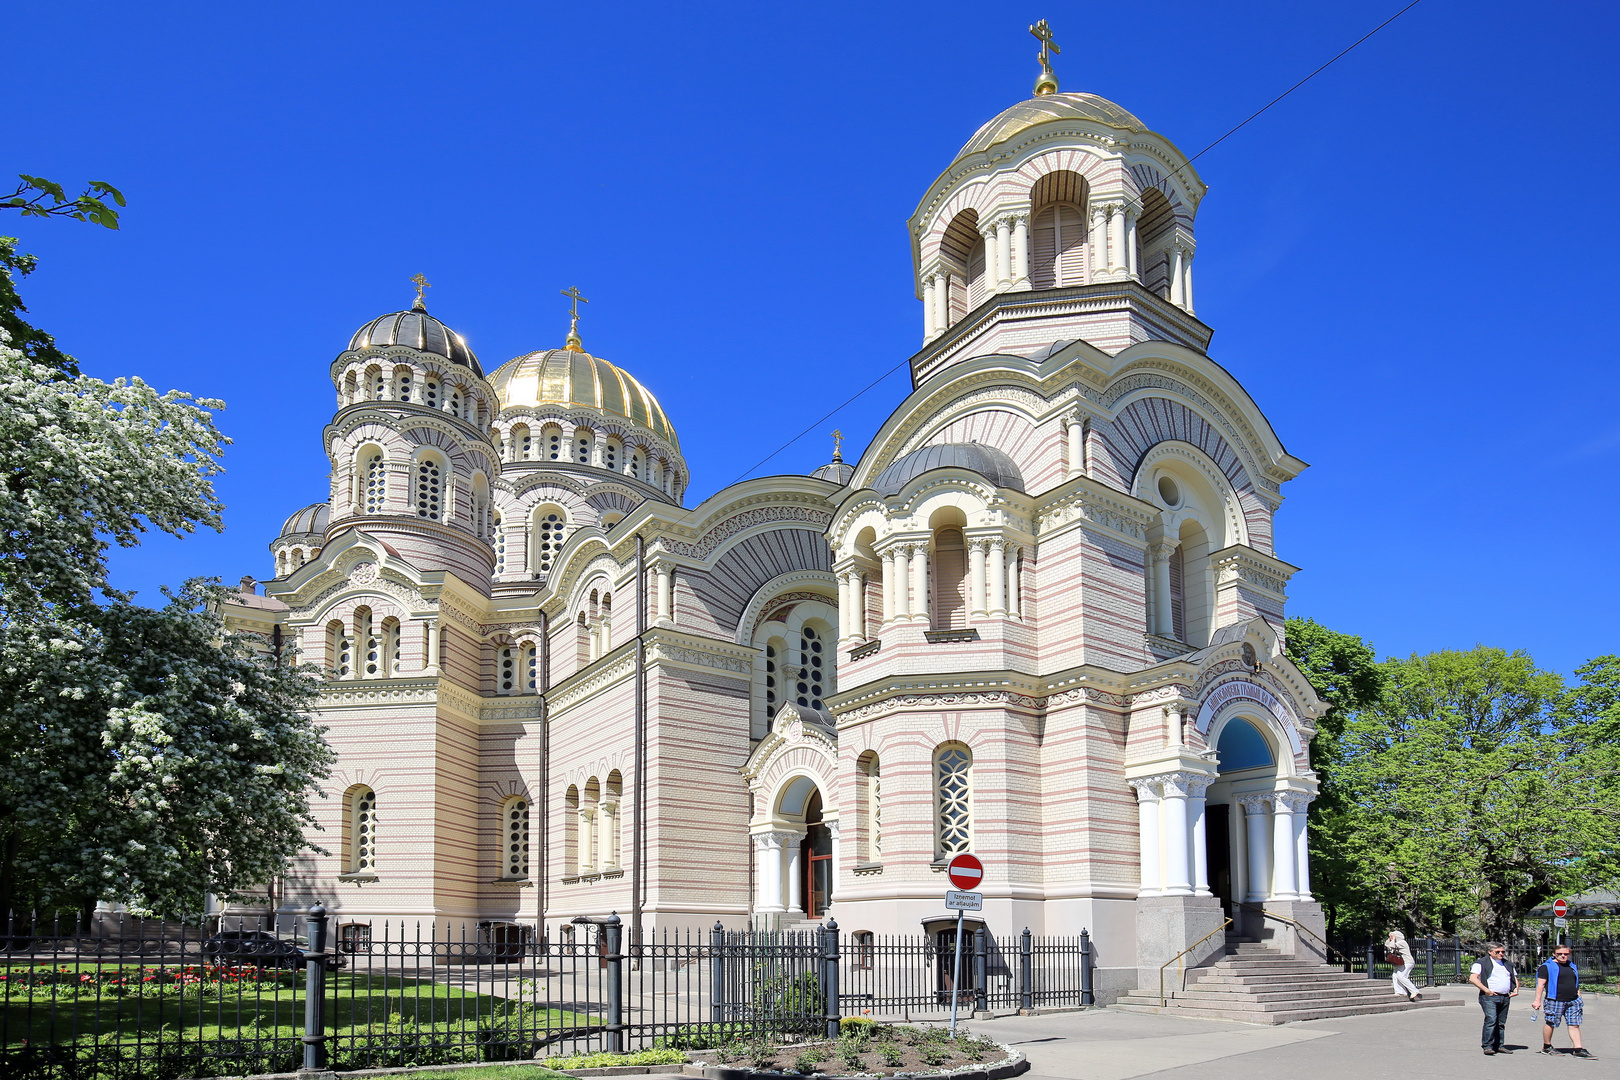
point(419, 330)
point(987, 461)
point(311, 519)
point(838, 472)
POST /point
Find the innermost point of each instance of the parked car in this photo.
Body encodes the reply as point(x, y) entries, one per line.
point(253, 947)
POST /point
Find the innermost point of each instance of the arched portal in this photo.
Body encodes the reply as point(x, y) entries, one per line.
point(791, 777)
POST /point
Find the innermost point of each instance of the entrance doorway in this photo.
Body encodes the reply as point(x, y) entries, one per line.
point(815, 855)
point(1218, 852)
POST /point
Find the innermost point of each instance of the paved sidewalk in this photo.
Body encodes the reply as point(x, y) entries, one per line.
point(1442, 1044)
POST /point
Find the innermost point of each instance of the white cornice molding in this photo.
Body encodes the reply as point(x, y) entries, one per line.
point(667, 647)
point(609, 671)
point(1083, 500)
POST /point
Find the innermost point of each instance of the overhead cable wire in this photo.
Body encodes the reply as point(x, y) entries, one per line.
point(1251, 117)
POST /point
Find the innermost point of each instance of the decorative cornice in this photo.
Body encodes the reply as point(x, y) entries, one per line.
point(1083, 499)
point(713, 538)
point(611, 669)
point(671, 648)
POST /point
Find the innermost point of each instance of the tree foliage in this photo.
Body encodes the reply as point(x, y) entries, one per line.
point(38, 197)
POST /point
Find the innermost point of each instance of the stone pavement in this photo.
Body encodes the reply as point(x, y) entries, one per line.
point(1431, 1044)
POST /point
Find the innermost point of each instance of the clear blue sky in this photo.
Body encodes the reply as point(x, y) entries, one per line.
point(1408, 262)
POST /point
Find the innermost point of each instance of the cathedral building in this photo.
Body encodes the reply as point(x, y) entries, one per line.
point(1039, 620)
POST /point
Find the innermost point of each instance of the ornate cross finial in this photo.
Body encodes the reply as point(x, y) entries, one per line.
point(1047, 82)
point(421, 282)
point(838, 445)
point(573, 344)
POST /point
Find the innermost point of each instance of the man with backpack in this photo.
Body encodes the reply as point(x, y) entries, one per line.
point(1558, 983)
point(1498, 984)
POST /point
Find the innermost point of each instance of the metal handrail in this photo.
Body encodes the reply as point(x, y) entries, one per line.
point(1297, 925)
point(1184, 952)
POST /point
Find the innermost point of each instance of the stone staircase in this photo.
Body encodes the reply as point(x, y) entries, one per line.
point(1254, 984)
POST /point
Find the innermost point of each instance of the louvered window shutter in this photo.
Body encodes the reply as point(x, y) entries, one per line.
point(1071, 246)
point(976, 276)
point(1043, 250)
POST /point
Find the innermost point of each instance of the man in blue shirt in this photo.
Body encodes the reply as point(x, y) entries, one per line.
point(1558, 983)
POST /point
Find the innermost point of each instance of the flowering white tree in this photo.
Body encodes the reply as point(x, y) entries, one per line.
point(147, 755)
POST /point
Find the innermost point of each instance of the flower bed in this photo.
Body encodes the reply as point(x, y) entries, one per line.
point(864, 1049)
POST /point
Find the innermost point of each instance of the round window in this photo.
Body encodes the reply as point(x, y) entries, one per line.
point(1169, 492)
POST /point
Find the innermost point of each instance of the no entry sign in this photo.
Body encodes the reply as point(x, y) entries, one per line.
point(1560, 907)
point(966, 872)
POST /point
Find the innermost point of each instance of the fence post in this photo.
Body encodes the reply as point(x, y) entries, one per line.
point(1372, 972)
point(829, 952)
point(315, 991)
point(1087, 997)
point(1456, 956)
point(613, 934)
point(981, 972)
point(1026, 972)
point(1428, 960)
point(717, 973)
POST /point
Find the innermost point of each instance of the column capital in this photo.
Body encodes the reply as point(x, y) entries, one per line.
point(998, 543)
point(1294, 802)
point(1256, 805)
point(1164, 549)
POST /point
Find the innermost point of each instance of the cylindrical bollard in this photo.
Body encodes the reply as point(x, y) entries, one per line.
point(613, 936)
point(1456, 958)
point(981, 971)
point(717, 973)
point(829, 955)
point(1087, 995)
point(1428, 960)
point(1372, 970)
point(1026, 971)
point(315, 991)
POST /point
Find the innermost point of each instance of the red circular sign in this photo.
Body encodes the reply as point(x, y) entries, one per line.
point(1560, 907)
point(966, 872)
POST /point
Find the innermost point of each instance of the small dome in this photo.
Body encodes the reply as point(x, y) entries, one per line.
point(987, 461)
point(566, 378)
point(1039, 110)
point(311, 519)
point(838, 472)
point(419, 330)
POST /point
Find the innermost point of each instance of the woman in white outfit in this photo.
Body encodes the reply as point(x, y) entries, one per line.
point(1395, 945)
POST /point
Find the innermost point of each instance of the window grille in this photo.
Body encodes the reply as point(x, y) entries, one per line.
point(770, 682)
point(610, 457)
point(405, 386)
point(527, 450)
point(427, 490)
point(430, 394)
point(582, 449)
point(517, 839)
point(364, 844)
point(531, 664)
point(555, 447)
point(953, 765)
point(548, 541)
point(507, 675)
point(373, 648)
point(812, 673)
point(379, 386)
point(342, 651)
point(376, 484)
point(455, 402)
point(635, 465)
point(500, 546)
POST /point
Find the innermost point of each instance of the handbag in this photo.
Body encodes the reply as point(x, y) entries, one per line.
point(1395, 958)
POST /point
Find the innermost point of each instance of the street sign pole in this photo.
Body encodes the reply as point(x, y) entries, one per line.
point(956, 977)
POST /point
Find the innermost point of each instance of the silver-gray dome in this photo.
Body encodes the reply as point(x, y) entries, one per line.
point(419, 330)
point(987, 461)
point(312, 519)
point(838, 472)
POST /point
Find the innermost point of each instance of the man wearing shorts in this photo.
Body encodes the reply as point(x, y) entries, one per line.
point(1558, 984)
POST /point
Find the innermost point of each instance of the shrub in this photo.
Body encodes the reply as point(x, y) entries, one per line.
point(606, 1059)
point(706, 1036)
point(855, 1026)
point(893, 1056)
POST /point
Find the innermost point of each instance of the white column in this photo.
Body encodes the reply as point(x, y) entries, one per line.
point(996, 602)
point(1259, 865)
point(1195, 807)
point(1077, 450)
point(1302, 849)
point(1163, 625)
point(795, 875)
point(432, 666)
point(599, 448)
point(1177, 295)
point(928, 307)
point(902, 582)
point(663, 592)
point(888, 587)
point(1130, 243)
point(919, 573)
point(1099, 241)
point(942, 297)
point(832, 878)
point(587, 837)
point(843, 607)
point(1177, 852)
point(1147, 825)
point(1014, 584)
point(1004, 271)
point(1282, 833)
point(976, 602)
point(1186, 285)
point(1116, 238)
point(858, 598)
point(1020, 250)
point(768, 858)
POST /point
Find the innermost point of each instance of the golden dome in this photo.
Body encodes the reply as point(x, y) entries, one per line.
point(1048, 107)
point(568, 379)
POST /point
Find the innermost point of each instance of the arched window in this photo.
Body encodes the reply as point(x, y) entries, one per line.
point(390, 647)
point(550, 529)
point(366, 632)
point(375, 480)
point(506, 670)
point(635, 464)
point(953, 769)
point(430, 392)
point(589, 841)
point(963, 249)
point(950, 572)
point(480, 505)
point(1058, 232)
point(773, 679)
point(402, 384)
point(429, 489)
point(376, 384)
point(500, 545)
point(339, 650)
point(869, 842)
point(518, 444)
point(454, 401)
point(551, 437)
point(813, 670)
point(351, 392)
point(570, 859)
point(362, 831)
point(530, 663)
point(582, 446)
point(515, 819)
point(610, 842)
point(610, 455)
point(1155, 231)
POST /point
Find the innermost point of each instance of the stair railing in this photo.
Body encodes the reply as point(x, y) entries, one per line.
point(1301, 927)
point(1183, 971)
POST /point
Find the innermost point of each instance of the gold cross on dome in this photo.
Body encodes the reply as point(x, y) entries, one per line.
point(573, 293)
point(1043, 33)
point(573, 344)
point(421, 282)
point(838, 445)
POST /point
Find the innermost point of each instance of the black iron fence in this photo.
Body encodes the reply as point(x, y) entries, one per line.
point(1442, 961)
point(147, 1000)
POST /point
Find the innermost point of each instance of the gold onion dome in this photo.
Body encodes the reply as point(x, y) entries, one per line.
point(568, 378)
point(1045, 109)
